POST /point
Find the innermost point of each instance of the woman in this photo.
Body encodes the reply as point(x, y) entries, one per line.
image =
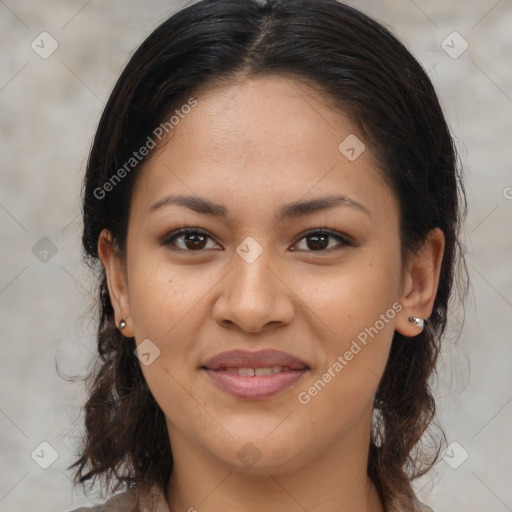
point(274, 198)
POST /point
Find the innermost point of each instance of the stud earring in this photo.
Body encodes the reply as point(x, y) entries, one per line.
point(122, 323)
point(418, 322)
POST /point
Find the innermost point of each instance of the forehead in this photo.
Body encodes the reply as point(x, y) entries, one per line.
point(262, 137)
point(260, 116)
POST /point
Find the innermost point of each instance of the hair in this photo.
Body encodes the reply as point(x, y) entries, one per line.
point(366, 72)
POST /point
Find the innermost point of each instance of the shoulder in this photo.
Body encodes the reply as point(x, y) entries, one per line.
point(141, 499)
point(421, 507)
point(418, 506)
point(125, 502)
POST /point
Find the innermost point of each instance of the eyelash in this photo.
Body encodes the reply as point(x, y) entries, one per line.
point(345, 241)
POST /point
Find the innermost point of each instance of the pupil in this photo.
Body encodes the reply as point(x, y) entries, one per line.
point(194, 240)
point(319, 245)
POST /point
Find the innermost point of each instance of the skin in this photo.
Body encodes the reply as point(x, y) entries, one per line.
point(254, 146)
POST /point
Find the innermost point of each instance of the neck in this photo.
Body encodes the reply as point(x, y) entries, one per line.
point(335, 480)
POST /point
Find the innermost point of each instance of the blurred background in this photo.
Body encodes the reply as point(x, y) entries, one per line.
point(59, 62)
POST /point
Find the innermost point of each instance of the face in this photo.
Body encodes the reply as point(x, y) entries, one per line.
point(322, 283)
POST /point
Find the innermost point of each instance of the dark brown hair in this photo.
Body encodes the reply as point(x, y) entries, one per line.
point(359, 66)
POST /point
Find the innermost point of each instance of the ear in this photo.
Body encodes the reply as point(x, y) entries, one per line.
point(116, 280)
point(421, 281)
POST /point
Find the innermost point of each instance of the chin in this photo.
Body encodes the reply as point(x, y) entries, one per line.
point(260, 455)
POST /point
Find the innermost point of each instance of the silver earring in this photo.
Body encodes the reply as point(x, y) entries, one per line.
point(418, 322)
point(122, 323)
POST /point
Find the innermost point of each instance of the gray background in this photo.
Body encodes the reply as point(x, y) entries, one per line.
point(49, 110)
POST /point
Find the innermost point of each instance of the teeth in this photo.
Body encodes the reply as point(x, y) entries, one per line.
point(269, 371)
point(251, 372)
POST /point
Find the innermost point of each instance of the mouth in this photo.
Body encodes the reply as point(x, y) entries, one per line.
point(254, 375)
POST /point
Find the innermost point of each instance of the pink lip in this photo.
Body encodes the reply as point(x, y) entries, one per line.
point(261, 359)
point(257, 386)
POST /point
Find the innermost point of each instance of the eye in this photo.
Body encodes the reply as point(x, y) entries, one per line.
point(195, 239)
point(188, 239)
point(318, 240)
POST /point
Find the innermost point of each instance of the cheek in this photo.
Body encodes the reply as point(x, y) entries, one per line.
point(343, 389)
point(352, 298)
point(165, 297)
point(357, 307)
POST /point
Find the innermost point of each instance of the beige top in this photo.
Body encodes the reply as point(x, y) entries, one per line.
point(154, 501)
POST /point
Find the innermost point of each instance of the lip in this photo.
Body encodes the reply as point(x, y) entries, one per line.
point(261, 359)
point(258, 386)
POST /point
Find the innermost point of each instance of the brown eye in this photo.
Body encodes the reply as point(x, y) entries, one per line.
point(194, 240)
point(318, 240)
point(190, 239)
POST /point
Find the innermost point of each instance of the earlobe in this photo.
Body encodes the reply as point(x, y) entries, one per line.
point(116, 281)
point(420, 285)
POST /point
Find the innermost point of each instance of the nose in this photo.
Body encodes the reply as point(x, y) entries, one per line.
point(253, 297)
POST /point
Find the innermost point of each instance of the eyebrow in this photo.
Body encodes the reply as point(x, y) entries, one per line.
point(291, 210)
